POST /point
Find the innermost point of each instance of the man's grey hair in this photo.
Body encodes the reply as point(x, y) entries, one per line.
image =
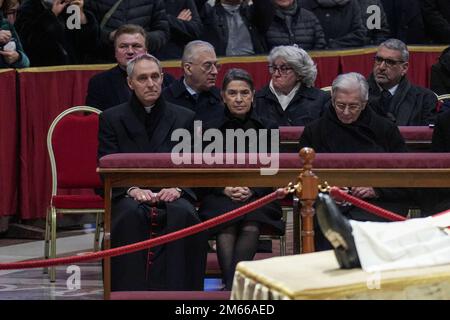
point(349, 81)
point(397, 45)
point(144, 56)
point(192, 48)
point(299, 60)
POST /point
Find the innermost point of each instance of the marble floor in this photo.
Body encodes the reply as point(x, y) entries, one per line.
point(33, 284)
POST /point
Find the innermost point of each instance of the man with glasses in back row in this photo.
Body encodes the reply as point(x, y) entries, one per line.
point(196, 89)
point(392, 95)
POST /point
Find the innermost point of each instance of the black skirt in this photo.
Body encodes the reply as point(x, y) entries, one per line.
point(216, 203)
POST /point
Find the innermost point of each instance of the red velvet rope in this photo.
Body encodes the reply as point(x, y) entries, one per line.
point(278, 194)
point(337, 193)
point(441, 213)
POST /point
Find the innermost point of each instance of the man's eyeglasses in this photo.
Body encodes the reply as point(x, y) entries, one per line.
point(352, 108)
point(283, 69)
point(207, 66)
point(387, 62)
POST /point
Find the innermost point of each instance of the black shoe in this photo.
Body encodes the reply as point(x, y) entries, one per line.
point(337, 229)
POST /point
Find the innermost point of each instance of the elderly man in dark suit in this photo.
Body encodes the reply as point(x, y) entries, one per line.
point(110, 88)
point(145, 124)
point(197, 90)
point(392, 95)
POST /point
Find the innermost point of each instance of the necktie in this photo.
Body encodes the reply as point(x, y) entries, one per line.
point(386, 98)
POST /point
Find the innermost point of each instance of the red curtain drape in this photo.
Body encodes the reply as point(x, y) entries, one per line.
point(361, 63)
point(327, 69)
point(45, 92)
point(43, 96)
point(420, 63)
point(8, 143)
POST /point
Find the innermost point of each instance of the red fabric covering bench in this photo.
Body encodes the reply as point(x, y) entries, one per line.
point(375, 169)
point(414, 133)
point(161, 161)
point(409, 133)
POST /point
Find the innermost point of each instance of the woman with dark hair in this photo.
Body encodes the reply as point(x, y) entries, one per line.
point(237, 240)
point(11, 52)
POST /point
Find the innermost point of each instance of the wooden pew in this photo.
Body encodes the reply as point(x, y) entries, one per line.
point(377, 170)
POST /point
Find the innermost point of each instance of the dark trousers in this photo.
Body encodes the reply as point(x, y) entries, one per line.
point(178, 265)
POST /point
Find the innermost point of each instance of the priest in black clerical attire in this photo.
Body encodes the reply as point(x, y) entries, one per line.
point(145, 124)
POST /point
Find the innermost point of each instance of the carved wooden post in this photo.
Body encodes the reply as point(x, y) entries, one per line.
point(307, 196)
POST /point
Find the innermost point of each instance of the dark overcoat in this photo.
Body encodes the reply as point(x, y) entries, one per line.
point(178, 265)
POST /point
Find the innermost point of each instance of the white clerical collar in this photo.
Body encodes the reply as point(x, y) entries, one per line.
point(149, 108)
point(189, 89)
